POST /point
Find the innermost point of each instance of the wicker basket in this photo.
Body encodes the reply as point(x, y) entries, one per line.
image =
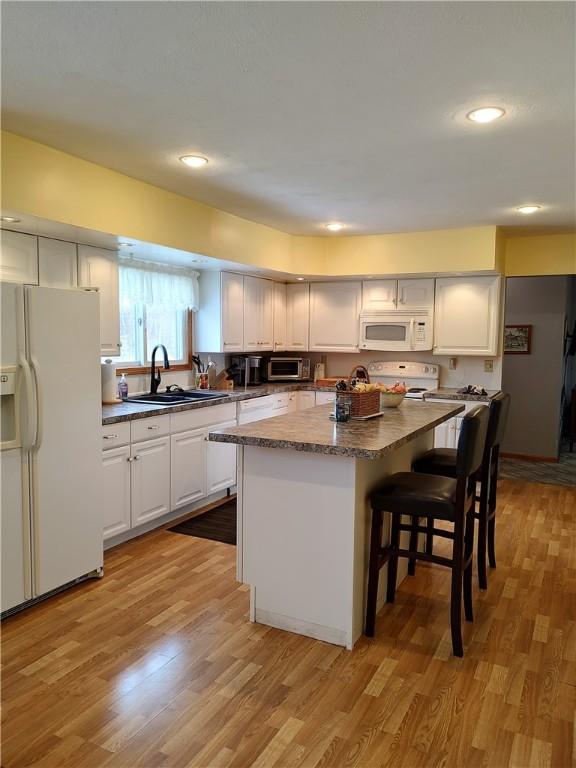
point(362, 403)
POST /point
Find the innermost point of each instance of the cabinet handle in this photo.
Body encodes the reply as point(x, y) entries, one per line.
point(119, 344)
point(130, 458)
point(110, 437)
point(137, 458)
point(154, 426)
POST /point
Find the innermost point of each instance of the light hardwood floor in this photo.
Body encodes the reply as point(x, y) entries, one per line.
point(157, 665)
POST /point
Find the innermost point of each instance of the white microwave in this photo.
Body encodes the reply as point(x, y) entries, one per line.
point(396, 331)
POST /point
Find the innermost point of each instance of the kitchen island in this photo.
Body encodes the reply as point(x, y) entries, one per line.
point(303, 511)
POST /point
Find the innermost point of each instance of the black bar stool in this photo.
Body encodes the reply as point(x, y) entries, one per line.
point(442, 461)
point(436, 498)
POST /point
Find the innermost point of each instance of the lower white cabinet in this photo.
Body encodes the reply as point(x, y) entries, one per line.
point(188, 467)
point(306, 400)
point(116, 512)
point(220, 463)
point(447, 434)
point(150, 480)
point(325, 397)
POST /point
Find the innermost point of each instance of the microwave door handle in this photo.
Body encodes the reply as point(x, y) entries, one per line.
point(411, 333)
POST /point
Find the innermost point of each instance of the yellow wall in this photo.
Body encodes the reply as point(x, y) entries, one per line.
point(541, 255)
point(50, 184)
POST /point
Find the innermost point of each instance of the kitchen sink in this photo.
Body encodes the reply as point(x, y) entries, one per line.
point(175, 398)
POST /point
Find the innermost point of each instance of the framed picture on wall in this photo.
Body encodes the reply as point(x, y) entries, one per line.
point(517, 339)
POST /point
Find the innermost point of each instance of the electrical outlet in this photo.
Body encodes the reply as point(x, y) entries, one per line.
point(452, 363)
point(488, 366)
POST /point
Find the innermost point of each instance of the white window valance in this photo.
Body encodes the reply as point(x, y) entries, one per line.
point(159, 285)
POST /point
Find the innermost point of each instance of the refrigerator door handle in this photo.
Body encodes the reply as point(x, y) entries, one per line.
point(30, 432)
point(36, 370)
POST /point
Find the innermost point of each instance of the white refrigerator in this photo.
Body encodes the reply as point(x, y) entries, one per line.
point(50, 457)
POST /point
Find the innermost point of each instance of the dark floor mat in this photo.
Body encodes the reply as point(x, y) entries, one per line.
point(218, 524)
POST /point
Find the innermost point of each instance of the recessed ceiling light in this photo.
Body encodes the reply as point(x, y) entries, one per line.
point(126, 245)
point(10, 219)
point(335, 226)
point(526, 209)
point(194, 161)
point(299, 278)
point(485, 114)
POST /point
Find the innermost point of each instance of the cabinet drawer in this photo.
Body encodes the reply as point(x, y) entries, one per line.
point(114, 435)
point(201, 417)
point(148, 429)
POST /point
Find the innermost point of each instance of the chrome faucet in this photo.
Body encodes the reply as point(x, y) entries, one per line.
point(155, 377)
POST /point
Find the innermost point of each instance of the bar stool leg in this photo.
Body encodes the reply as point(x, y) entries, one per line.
point(393, 561)
point(456, 590)
point(413, 546)
point(468, 553)
point(483, 534)
point(492, 509)
point(373, 571)
point(430, 536)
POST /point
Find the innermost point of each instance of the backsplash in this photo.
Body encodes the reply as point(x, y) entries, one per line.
point(469, 370)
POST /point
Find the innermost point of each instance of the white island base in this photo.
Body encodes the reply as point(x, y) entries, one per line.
point(303, 536)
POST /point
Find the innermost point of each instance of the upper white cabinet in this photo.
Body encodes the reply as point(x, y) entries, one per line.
point(389, 295)
point(57, 263)
point(18, 257)
point(334, 316)
point(379, 294)
point(258, 314)
point(279, 317)
point(297, 316)
point(220, 319)
point(98, 268)
point(415, 293)
point(467, 316)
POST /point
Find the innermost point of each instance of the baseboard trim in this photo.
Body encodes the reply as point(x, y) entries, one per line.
point(524, 457)
point(299, 627)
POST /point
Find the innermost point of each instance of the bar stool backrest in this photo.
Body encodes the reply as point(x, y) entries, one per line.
point(472, 441)
point(499, 408)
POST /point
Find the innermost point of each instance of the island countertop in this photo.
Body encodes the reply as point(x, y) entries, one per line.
point(314, 432)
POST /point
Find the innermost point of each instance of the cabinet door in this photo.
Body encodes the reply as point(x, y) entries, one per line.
point(232, 312)
point(335, 316)
point(188, 467)
point(297, 316)
point(379, 294)
point(325, 397)
point(150, 480)
point(98, 268)
point(415, 294)
point(252, 313)
point(116, 478)
point(279, 317)
point(220, 463)
point(467, 316)
point(444, 434)
point(18, 257)
point(306, 400)
point(266, 335)
point(57, 263)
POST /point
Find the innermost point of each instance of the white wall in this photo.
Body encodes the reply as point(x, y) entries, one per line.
point(535, 381)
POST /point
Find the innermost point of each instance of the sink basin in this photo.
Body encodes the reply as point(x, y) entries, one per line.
point(175, 398)
point(162, 399)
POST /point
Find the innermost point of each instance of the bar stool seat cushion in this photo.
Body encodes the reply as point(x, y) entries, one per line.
point(438, 461)
point(417, 494)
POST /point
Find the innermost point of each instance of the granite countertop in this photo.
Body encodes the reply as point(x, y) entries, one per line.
point(451, 393)
point(112, 414)
point(314, 432)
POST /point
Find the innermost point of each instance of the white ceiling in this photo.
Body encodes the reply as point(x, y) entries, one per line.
point(310, 111)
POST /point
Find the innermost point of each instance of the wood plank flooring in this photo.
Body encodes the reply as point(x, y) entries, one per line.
point(156, 665)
